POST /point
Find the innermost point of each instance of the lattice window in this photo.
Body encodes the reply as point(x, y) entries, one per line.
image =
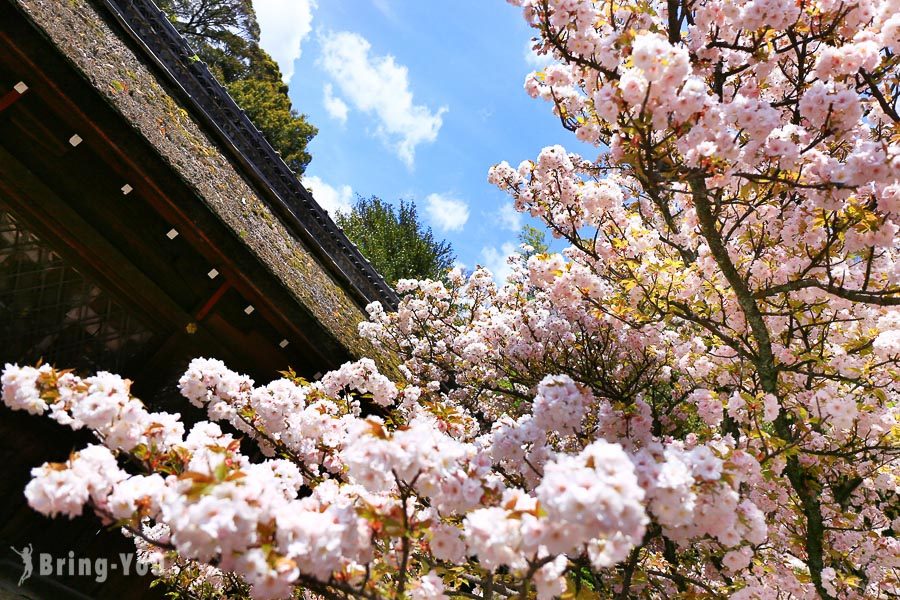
point(51, 311)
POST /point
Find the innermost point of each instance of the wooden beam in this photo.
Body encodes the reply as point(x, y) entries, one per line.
point(8, 99)
point(210, 304)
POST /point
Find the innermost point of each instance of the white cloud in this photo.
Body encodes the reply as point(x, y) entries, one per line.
point(385, 8)
point(283, 25)
point(534, 60)
point(332, 199)
point(336, 108)
point(495, 260)
point(377, 85)
point(446, 213)
point(510, 218)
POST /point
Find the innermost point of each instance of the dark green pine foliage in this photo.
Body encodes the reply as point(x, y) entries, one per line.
point(393, 239)
point(225, 35)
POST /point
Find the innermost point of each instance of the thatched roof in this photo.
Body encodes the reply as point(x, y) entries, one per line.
point(146, 71)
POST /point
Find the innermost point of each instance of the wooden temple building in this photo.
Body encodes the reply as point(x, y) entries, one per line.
point(144, 221)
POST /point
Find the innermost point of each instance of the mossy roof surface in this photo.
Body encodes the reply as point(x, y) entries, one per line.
point(129, 85)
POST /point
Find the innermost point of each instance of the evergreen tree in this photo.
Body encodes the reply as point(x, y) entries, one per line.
point(393, 239)
point(225, 35)
point(264, 97)
point(534, 237)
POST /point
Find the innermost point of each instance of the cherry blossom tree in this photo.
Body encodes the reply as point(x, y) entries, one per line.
point(698, 398)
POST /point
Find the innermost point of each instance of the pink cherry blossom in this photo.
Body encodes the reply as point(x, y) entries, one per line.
point(695, 397)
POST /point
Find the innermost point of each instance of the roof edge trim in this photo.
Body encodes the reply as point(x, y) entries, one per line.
point(149, 29)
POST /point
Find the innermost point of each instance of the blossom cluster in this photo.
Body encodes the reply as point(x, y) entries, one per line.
point(202, 498)
point(696, 397)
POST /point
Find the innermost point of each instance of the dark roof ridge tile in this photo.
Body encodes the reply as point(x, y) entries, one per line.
point(149, 28)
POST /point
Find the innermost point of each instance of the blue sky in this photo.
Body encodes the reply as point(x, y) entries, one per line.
point(415, 99)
